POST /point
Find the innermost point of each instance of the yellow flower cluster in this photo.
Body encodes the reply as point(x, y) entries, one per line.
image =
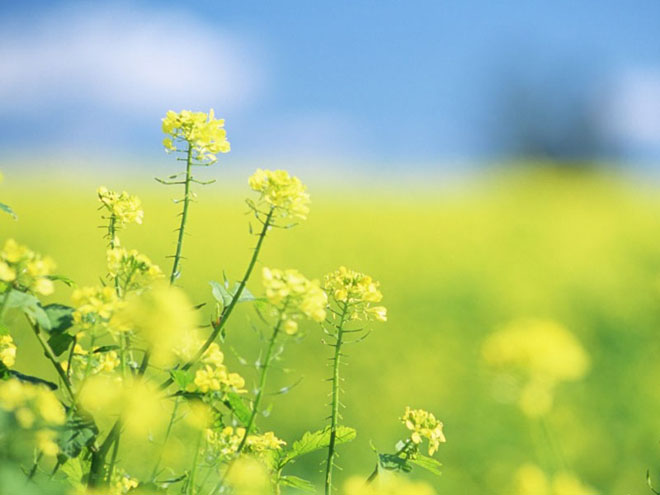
point(203, 133)
point(387, 484)
point(544, 352)
point(7, 351)
point(123, 207)
point(423, 424)
point(33, 406)
point(531, 480)
point(84, 363)
point(25, 269)
point(94, 306)
point(164, 318)
point(294, 296)
point(121, 483)
point(356, 292)
point(223, 443)
point(214, 377)
point(259, 444)
point(132, 268)
point(278, 190)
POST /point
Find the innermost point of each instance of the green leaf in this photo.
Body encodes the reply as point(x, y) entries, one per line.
point(61, 278)
point(60, 342)
point(73, 471)
point(7, 209)
point(182, 378)
point(75, 435)
point(30, 306)
point(223, 295)
point(60, 317)
point(393, 462)
point(317, 440)
point(31, 379)
point(428, 463)
point(237, 405)
point(299, 483)
point(106, 348)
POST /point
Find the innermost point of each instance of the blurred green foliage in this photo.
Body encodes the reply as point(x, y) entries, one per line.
point(454, 264)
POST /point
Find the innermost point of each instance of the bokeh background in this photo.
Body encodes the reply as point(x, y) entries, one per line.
point(486, 161)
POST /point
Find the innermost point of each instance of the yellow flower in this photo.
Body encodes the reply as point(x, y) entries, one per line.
point(258, 444)
point(278, 190)
point(41, 401)
point(543, 352)
point(94, 305)
point(25, 268)
point(294, 296)
point(123, 207)
point(7, 351)
point(133, 269)
point(423, 424)
point(46, 442)
point(355, 292)
point(164, 318)
point(7, 273)
point(203, 134)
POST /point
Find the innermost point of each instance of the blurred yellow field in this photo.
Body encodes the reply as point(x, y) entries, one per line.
point(577, 249)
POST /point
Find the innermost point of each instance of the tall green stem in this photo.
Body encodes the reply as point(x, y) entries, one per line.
point(334, 416)
point(184, 217)
point(226, 312)
point(257, 399)
point(262, 385)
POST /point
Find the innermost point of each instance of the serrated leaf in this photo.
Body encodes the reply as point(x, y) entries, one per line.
point(299, 483)
point(236, 403)
point(75, 435)
point(7, 209)
point(30, 306)
point(428, 463)
point(182, 378)
point(60, 317)
point(317, 440)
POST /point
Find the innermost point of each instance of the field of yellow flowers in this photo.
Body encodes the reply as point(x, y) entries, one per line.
point(522, 309)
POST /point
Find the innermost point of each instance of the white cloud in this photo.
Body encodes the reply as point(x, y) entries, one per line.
point(631, 112)
point(125, 60)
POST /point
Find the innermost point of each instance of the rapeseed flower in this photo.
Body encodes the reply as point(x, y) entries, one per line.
point(543, 353)
point(356, 293)
point(95, 306)
point(204, 134)
point(294, 297)
point(7, 351)
point(122, 207)
point(424, 425)
point(132, 269)
point(24, 269)
point(284, 194)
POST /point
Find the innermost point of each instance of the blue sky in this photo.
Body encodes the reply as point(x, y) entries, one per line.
point(379, 82)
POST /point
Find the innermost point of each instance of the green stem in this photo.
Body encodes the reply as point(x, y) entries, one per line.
point(3, 304)
point(184, 216)
point(334, 416)
point(219, 325)
point(257, 399)
point(154, 473)
point(191, 481)
point(48, 351)
point(262, 385)
point(97, 466)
